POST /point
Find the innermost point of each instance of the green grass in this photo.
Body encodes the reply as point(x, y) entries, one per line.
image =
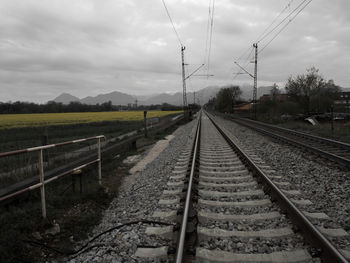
point(8, 121)
point(17, 138)
point(20, 138)
point(341, 130)
point(77, 214)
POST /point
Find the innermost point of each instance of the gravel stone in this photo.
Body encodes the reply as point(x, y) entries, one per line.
point(138, 198)
point(324, 183)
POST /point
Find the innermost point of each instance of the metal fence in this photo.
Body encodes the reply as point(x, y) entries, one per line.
point(42, 180)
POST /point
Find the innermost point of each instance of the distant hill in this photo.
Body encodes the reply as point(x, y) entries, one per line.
point(174, 99)
point(247, 91)
point(117, 98)
point(65, 98)
point(202, 96)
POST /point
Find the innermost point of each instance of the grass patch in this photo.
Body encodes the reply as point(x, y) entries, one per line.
point(47, 119)
point(18, 138)
point(24, 235)
point(341, 130)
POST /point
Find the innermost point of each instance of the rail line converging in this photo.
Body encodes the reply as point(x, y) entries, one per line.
point(222, 200)
point(330, 149)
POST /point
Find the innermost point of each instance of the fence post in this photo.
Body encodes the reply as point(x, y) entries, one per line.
point(145, 122)
point(99, 161)
point(45, 141)
point(42, 187)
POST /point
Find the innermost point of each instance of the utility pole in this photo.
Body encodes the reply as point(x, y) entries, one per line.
point(332, 121)
point(255, 79)
point(183, 79)
point(194, 98)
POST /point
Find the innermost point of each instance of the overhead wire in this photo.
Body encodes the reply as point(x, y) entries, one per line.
point(167, 11)
point(211, 35)
point(246, 62)
point(263, 35)
point(269, 42)
point(240, 70)
point(267, 28)
point(293, 14)
point(282, 21)
point(243, 54)
point(207, 33)
point(239, 58)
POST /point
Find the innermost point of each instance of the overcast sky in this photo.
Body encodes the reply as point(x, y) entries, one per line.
point(88, 47)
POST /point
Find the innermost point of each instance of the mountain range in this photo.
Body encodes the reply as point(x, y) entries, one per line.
point(118, 98)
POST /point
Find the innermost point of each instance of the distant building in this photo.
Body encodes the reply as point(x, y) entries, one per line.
point(343, 102)
point(243, 107)
point(280, 97)
point(265, 97)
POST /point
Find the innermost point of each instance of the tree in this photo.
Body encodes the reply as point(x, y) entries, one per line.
point(323, 98)
point(226, 98)
point(235, 93)
point(311, 92)
point(275, 93)
point(107, 106)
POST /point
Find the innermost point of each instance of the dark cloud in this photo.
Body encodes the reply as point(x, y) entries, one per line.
point(87, 47)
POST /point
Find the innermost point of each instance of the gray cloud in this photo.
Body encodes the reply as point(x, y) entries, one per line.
point(87, 47)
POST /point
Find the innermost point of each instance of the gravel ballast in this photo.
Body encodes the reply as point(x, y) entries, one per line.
point(325, 184)
point(138, 198)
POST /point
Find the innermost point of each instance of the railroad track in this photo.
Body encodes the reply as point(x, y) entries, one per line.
point(222, 196)
point(330, 149)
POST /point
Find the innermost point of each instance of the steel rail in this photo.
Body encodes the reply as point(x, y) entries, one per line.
point(311, 233)
point(302, 134)
point(181, 241)
point(331, 156)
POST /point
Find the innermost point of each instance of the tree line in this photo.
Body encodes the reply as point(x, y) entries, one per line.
point(19, 107)
point(307, 94)
point(226, 99)
point(304, 94)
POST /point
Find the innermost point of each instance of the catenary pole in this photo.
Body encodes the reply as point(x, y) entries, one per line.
point(255, 79)
point(183, 78)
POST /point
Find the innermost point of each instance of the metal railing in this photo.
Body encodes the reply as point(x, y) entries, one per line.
point(42, 181)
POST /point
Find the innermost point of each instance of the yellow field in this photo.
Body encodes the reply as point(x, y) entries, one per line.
point(43, 119)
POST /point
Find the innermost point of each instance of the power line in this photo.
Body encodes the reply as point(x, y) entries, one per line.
point(243, 54)
point(246, 62)
point(211, 34)
point(284, 9)
point(207, 33)
point(248, 57)
point(283, 20)
point(298, 10)
point(309, 1)
point(167, 11)
point(262, 34)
